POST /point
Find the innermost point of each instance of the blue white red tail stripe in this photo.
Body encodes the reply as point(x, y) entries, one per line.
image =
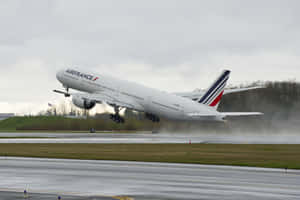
point(217, 90)
point(214, 94)
point(214, 86)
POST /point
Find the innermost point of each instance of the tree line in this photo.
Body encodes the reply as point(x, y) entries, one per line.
point(279, 101)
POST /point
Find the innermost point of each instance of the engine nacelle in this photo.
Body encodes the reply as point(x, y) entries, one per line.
point(82, 103)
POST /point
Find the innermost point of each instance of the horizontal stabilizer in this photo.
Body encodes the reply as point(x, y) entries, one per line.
point(237, 114)
point(230, 91)
point(225, 114)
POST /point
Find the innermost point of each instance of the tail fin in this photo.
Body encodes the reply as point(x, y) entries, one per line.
point(214, 93)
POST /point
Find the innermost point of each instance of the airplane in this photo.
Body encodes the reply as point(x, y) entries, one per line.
point(193, 106)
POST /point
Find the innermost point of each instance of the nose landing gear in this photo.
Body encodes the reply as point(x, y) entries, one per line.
point(67, 91)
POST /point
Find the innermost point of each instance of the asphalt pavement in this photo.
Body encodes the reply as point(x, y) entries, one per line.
point(148, 137)
point(141, 180)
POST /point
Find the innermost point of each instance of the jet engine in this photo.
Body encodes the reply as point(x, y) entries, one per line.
point(83, 103)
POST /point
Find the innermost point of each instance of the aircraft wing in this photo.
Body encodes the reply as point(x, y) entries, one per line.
point(117, 99)
point(113, 99)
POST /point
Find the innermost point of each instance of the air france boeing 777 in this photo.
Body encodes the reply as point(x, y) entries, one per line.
point(154, 103)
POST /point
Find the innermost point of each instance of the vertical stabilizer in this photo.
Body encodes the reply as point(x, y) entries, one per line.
point(214, 93)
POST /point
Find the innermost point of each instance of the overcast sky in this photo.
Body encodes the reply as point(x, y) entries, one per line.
point(170, 45)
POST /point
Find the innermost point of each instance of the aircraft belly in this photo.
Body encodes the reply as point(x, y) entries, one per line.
point(164, 110)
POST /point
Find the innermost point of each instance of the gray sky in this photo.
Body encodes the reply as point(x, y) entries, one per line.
point(170, 45)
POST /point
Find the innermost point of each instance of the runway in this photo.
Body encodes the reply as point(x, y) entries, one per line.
point(148, 137)
point(4, 195)
point(140, 180)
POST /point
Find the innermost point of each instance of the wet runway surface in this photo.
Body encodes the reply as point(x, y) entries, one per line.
point(96, 138)
point(139, 180)
point(40, 196)
point(147, 137)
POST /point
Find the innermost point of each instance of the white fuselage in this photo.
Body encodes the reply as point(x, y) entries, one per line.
point(146, 99)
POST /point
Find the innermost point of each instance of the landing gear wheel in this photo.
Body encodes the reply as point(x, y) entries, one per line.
point(116, 117)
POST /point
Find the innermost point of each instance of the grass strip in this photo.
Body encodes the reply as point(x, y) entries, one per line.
point(258, 155)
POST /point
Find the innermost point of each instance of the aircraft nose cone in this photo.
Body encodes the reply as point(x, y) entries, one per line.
point(59, 75)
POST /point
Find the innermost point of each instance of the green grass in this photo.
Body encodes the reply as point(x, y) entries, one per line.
point(59, 123)
point(259, 155)
point(15, 123)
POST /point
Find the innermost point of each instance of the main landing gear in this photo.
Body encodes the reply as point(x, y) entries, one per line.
point(152, 117)
point(116, 117)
